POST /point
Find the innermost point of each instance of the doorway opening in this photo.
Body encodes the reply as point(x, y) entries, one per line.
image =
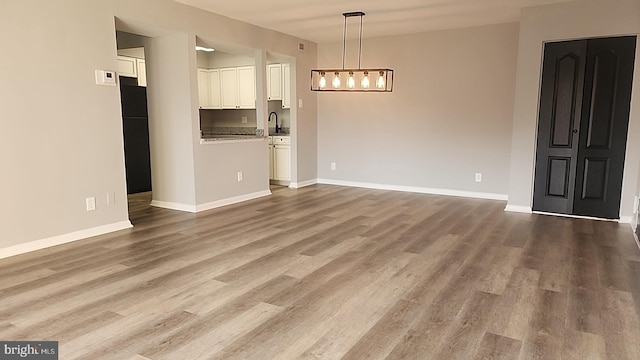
point(135, 119)
point(583, 123)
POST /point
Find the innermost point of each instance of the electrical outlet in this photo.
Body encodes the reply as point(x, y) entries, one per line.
point(240, 177)
point(111, 198)
point(333, 166)
point(91, 203)
point(244, 119)
point(300, 103)
point(478, 177)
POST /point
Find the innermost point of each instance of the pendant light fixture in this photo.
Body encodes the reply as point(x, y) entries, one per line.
point(359, 80)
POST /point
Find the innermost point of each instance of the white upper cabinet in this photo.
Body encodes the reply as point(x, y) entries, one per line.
point(229, 86)
point(209, 89)
point(246, 87)
point(142, 72)
point(204, 92)
point(133, 67)
point(286, 86)
point(127, 66)
point(215, 89)
point(274, 82)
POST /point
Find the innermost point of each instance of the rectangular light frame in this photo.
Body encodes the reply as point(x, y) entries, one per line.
point(358, 74)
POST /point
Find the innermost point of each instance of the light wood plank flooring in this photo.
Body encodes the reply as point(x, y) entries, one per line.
point(327, 272)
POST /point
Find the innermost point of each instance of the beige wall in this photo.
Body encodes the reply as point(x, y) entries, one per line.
point(169, 94)
point(582, 19)
point(61, 134)
point(448, 117)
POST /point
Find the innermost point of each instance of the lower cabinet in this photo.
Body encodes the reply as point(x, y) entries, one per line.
point(282, 162)
point(271, 162)
point(280, 158)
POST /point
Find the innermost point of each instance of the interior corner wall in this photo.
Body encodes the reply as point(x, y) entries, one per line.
point(169, 98)
point(60, 133)
point(305, 127)
point(567, 21)
point(448, 117)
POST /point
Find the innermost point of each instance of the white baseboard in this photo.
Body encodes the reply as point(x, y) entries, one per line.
point(173, 206)
point(231, 200)
point(518, 209)
point(635, 236)
point(625, 219)
point(63, 239)
point(280, 182)
point(209, 205)
point(301, 184)
point(415, 189)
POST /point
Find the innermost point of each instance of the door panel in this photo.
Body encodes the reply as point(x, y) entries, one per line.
point(558, 176)
point(602, 96)
point(561, 91)
point(595, 179)
point(564, 97)
point(605, 120)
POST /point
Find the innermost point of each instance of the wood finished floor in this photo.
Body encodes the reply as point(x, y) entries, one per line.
point(327, 272)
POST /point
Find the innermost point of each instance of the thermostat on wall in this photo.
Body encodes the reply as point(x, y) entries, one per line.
point(105, 77)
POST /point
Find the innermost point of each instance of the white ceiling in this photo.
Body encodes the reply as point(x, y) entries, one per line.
point(322, 20)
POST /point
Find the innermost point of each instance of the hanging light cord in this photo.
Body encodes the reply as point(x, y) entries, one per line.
point(360, 50)
point(344, 41)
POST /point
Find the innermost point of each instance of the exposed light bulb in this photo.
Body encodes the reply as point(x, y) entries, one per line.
point(365, 80)
point(323, 81)
point(351, 82)
point(380, 82)
point(202, 48)
point(336, 80)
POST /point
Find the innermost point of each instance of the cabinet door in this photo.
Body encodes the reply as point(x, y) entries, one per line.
point(142, 72)
point(274, 82)
point(229, 87)
point(272, 163)
point(214, 89)
point(282, 163)
point(204, 88)
point(286, 86)
point(127, 66)
point(246, 87)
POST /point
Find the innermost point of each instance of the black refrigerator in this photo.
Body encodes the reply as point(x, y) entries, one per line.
point(135, 124)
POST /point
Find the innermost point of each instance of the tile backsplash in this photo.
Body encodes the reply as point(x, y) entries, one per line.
point(230, 121)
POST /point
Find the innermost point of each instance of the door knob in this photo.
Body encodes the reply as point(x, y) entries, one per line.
point(575, 131)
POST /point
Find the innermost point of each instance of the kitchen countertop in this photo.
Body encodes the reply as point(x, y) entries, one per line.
point(227, 138)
